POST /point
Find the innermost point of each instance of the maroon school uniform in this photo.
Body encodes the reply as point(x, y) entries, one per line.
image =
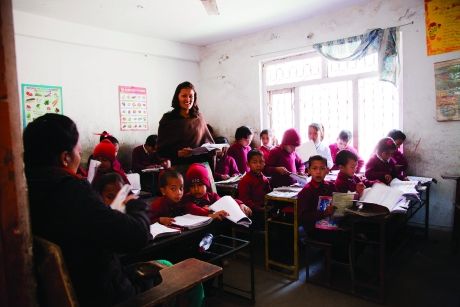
point(226, 166)
point(196, 206)
point(240, 154)
point(252, 190)
point(345, 183)
point(265, 151)
point(307, 201)
point(141, 159)
point(399, 159)
point(280, 157)
point(335, 150)
point(164, 207)
point(376, 169)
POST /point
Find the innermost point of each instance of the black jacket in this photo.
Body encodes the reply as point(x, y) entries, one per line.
point(65, 210)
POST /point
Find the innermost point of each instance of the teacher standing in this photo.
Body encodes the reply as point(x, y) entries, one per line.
point(183, 128)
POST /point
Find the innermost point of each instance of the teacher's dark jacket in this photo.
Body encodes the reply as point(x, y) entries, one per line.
point(65, 210)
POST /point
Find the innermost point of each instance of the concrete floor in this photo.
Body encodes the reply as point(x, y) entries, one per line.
point(422, 273)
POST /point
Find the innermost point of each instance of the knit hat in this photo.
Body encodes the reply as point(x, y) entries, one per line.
point(105, 149)
point(197, 173)
point(291, 137)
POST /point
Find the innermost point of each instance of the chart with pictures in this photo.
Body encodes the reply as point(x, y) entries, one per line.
point(133, 108)
point(38, 100)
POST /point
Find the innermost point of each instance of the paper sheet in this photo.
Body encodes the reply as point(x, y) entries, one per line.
point(191, 221)
point(306, 150)
point(92, 169)
point(117, 203)
point(159, 230)
point(235, 214)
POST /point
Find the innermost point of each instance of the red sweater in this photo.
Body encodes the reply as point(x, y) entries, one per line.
point(265, 151)
point(280, 157)
point(141, 159)
point(252, 190)
point(307, 202)
point(344, 183)
point(164, 207)
point(335, 150)
point(226, 166)
point(196, 206)
point(399, 159)
point(376, 169)
point(240, 154)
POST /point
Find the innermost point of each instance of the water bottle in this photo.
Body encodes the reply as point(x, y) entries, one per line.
point(206, 242)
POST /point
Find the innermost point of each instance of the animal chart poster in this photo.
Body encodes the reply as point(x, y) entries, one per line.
point(447, 82)
point(442, 19)
point(38, 100)
point(133, 108)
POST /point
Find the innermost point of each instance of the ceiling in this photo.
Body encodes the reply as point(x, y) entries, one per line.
point(182, 20)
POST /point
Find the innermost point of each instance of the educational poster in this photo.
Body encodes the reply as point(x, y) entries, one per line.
point(442, 21)
point(447, 80)
point(38, 100)
point(133, 108)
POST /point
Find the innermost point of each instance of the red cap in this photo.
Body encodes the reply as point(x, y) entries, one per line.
point(197, 173)
point(291, 137)
point(105, 149)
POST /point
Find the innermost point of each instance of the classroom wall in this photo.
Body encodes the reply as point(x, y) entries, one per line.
point(230, 84)
point(90, 63)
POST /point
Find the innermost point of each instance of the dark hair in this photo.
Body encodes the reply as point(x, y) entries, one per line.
point(396, 134)
point(221, 140)
point(345, 135)
point(343, 156)
point(165, 175)
point(266, 131)
point(47, 137)
point(102, 181)
point(194, 111)
point(242, 132)
point(385, 144)
point(107, 136)
point(253, 153)
point(317, 158)
point(151, 140)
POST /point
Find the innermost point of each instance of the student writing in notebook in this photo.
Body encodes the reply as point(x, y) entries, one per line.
point(398, 157)
point(146, 156)
point(266, 142)
point(225, 165)
point(316, 135)
point(347, 161)
point(105, 152)
point(239, 150)
point(342, 143)
point(200, 196)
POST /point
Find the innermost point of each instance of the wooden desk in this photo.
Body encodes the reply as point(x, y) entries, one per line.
point(456, 226)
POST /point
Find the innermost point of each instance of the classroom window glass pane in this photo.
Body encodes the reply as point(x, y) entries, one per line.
point(282, 113)
point(293, 71)
point(330, 104)
point(366, 64)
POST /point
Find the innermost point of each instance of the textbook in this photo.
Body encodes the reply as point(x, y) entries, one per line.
point(421, 180)
point(159, 231)
point(389, 199)
point(152, 169)
point(301, 179)
point(235, 214)
point(207, 147)
point(342, 201)
point(231, 180)
point(92, 169)
point(117, 203)
point(190, 221)
point(306, 150)
point(408, 187)
point(328, 223)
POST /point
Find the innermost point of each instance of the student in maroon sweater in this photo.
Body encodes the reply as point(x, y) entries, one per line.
point(105, 152)
point(198, 199)
point(225, 165)
point(165, 208)
point(380, 166)
point(283, 160)
point(398, 157)
point(146, 156)
point(239, 150)
point(347, 162)
point(266, 142)
point(343, 142)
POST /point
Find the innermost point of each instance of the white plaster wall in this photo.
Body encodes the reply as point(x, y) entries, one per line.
point(230, 84)
point(91, 63)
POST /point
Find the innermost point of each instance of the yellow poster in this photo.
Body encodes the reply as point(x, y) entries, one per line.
point(442, 18)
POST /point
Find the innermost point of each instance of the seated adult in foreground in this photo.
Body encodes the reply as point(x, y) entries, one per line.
point(65, 210)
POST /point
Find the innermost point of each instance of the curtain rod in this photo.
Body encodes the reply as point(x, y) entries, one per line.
point(301, 47)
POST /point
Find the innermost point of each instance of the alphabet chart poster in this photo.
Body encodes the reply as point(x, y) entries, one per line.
point(37, 100)
point(133, 108)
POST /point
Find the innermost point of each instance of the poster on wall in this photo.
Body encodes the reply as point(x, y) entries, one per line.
point(442, 19)
point(447, 80)
point(133, 108)
point(38, 100)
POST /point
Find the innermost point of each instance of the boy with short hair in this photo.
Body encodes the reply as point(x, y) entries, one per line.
point(343, 143)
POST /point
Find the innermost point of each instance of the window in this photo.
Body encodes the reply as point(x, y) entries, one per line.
point(341, 95)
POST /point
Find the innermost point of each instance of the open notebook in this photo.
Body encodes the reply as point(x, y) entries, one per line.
point(158, 231)
point(235, 214)
point(190, 221)
point(390, 198)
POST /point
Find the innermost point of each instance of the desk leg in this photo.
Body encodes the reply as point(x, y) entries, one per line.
point(382, 261)
point(427, 212)
point(251, 255)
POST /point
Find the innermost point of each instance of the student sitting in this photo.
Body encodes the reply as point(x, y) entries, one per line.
point(343, 142)
point(146, 156)
point(225, 165)
point(316, 135)
point(347, 162)
point(283, 160)
point(266, 142)
point(104, 152)
point(107, 136)
point(198, 199)
point(380, 166)
point(108, 185)
point(163, 209)
point(398, 157)
point(239, 150)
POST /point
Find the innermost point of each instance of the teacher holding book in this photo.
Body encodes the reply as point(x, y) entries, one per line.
point(183, 129)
